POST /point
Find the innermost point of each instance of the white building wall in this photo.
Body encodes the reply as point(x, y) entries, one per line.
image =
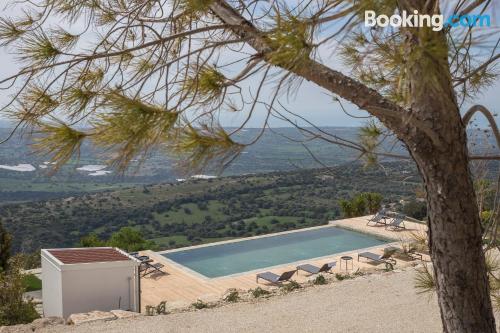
point(99, 288)
point(76, 288)
point(51, 287)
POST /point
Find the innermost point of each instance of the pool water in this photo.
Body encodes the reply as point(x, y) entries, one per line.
point(238, 257)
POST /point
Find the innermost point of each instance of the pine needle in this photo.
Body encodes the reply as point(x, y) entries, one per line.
point(424, 280)
point(204, 147)
point(9, 31)
point(37, 49)
point(205, 84)
point(132, 128)
point(291, 41)
point(59, 141)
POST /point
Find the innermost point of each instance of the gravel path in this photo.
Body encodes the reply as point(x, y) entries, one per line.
point(376, 303)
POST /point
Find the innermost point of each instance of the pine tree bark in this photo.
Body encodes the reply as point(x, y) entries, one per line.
point(455, 234)
point(455, 237)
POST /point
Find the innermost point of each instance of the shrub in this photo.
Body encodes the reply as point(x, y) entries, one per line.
point(160, 309)
point(358, 273)
point(258, 292)
point(232, 297)
point(341, 277)
point(14, 309)
point(346, 207)
point(199, 304)
point(150, 310)
point(424, 280)
point(320, 279)
point(419, 241)
point(373, 201)
point(5, 244)
point(29, 260)
point(292, 285)
point(415, 209)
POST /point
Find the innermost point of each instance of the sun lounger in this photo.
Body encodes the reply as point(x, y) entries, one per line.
point(379, 218)
point(144, 266)
point(275, 278)
point(149, 268)
point(398, 223)
point(378, 258)
point(315, 270)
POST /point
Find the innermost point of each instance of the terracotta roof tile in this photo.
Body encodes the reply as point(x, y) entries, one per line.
point(88, 255)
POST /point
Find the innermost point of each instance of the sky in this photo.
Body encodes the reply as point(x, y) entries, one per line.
point(310, 101)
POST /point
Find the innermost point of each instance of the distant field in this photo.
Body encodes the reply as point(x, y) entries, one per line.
point(13, 185)
point(270, 154)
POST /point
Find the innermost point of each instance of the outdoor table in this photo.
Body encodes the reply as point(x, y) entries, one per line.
point(346, 259)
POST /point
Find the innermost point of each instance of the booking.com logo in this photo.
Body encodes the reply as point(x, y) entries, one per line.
point(436, 21)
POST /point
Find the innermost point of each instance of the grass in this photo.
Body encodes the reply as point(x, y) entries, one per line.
point(32, 283)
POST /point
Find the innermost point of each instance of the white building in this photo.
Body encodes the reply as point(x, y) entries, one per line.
point(84, 279)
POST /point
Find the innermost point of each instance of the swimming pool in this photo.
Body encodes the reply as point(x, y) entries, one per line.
point(247, 255)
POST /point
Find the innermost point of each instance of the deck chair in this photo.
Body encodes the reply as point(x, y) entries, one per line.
point(143, 266)
point(139, 257)
point(397, 223)
point(315, 270)
point(379, 218)
point(152, 268)
point(275, 278)
point(379, 258)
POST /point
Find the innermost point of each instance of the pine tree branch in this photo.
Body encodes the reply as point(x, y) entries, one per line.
point(345, 87)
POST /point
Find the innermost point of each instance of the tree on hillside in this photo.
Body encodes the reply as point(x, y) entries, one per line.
point(361, 204)
point(347, 209)
point(129, 239)
point(144, 74)
point(126, 238)
point(373, 201)
point(91, 240)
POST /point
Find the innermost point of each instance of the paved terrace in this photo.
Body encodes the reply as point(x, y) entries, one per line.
point(180, 287)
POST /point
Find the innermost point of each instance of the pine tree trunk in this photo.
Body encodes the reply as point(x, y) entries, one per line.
point(455, 241)
point(439, 146)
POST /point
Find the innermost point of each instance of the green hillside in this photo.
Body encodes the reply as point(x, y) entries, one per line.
point(197, 211)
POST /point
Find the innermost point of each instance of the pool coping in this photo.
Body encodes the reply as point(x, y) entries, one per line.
point(160, 257)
